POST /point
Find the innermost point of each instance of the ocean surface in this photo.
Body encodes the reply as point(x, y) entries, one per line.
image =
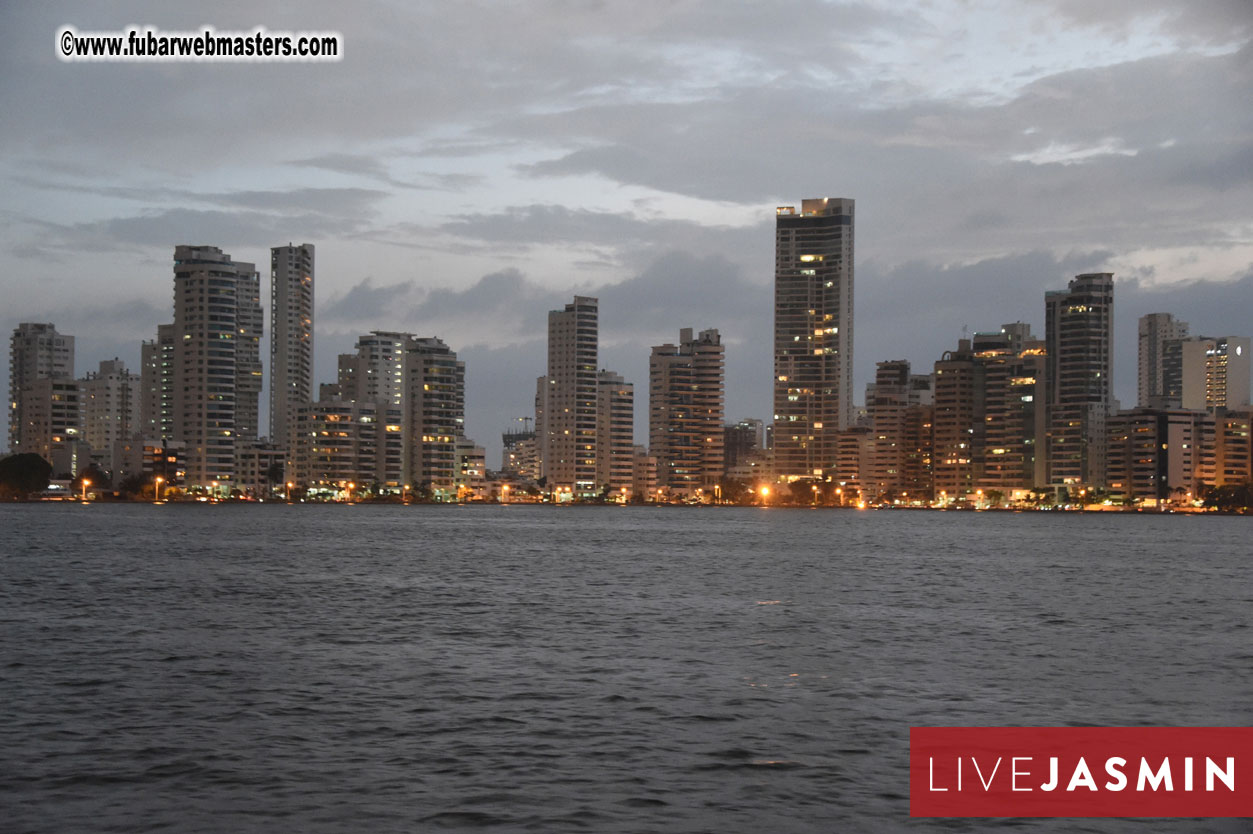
point(191, 668)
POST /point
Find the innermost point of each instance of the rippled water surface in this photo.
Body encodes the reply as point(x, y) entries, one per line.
point(361, 668)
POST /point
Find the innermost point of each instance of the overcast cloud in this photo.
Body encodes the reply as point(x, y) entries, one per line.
point(467, 167)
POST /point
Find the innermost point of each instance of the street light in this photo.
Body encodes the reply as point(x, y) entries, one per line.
point(215, 490)
point(404, 494)
point(504, 493)
point(350, 488)
point(158, 489)
point(86, 483)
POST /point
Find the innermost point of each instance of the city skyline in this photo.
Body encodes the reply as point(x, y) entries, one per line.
point(995, 151)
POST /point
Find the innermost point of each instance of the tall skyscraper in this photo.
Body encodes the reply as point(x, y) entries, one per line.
point(813, 334)
point(435, 411)
point(615, 433)
point(417, 385)
point(958, 422)
point(890, 403)
point(156, 397)
point(110, 409)
point(217, 359)
point(567, 397)
point(36, 351)
point(1215, 372)
point(1079, 336)
point(1156, 333)
point(291, 336)
point(685, 413)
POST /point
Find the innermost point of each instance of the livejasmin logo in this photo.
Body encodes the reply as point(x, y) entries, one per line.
point(1081, 771)
point(1081, 776)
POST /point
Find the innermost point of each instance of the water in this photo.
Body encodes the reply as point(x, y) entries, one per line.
point(360, 668)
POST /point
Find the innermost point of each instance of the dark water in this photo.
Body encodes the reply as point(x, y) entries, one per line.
point(327, 669)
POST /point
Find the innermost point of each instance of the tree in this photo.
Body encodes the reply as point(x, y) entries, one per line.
point(98, 478)
point(20, 475)
point(133, 486)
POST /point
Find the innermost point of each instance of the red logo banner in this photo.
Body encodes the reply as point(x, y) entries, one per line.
point(1081, 772)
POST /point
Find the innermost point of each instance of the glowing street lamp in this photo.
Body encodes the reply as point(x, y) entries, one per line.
point(404, 494)
point(86, 483)
point(158, 483)
point(289, 488)
point(504, 493)
point(765, 494)
point(351, 485)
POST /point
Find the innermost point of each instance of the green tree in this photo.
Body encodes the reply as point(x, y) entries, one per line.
point(20, 475)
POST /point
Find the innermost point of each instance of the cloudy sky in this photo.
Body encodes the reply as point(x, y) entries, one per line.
point(468, 166)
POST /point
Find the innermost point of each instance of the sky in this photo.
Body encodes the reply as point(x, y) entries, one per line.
point(467, 167)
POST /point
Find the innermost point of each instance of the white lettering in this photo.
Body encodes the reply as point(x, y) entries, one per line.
point(1227, 776)
point(987, 784)
point(931, 766)
point(1015, 772)
point(1082, 777)
point(1051, 784)
point(1113, 766)
point(1155, 779)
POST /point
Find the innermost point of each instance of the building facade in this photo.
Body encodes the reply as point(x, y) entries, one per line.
point(111, 399)
point(1215, 372)
point(1079, 334)
point(615, 434)
point(813, 334)
point(685, 408)
point(156, 395)
point(435, 415)
point(36, 351)
point(1157, 386)
point(565, 418)
point(217, 359)
point(291, 336)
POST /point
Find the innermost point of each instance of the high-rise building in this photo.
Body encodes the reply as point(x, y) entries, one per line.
point(518, 457)
point(889, 402)
point(615, 434)
point(51, 414)
point(566, 429)
point(156, 396)
point(958, 422)
point(1014, 416)
point(741, 443)
point(685, 408)
point(377, 372)
point(340, 442)
point(217, 359)
point(110, 398)
point(1079, 336)
point(813, 334)
point(643, 474)
point(291, 336)
point(1160, 454)
point(435, 409)
point(1233, 445)
point(421, 380)
point(1215, 372)
point(36, 351)
point(1156, 332)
